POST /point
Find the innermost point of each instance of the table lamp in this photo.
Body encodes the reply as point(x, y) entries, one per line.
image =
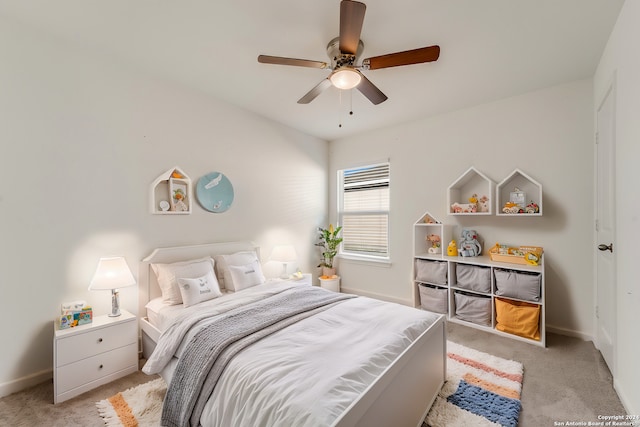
point(283, 254)
point(111, 274)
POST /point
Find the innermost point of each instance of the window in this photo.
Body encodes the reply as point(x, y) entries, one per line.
point(363, 211)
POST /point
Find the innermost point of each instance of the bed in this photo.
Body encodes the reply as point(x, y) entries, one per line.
point(343, 361)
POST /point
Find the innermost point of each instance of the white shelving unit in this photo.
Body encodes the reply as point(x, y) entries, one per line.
point(531, 192)
point(467, 289)
point(470, 183)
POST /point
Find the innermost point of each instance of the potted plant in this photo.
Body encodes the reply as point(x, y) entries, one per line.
point(329, 240)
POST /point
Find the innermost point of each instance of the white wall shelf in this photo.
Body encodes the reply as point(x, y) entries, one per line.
point(171, 193)
point(472, 183)
point(531, 193)
point(428, 225)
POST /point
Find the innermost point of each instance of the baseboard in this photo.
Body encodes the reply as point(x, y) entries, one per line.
point(626, 402)
point(376, 296)
point(25, 382)
point(568, 332)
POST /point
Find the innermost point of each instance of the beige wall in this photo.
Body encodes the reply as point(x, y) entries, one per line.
point(82, 138)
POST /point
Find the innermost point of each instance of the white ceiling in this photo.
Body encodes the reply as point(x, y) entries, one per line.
point(490, 49)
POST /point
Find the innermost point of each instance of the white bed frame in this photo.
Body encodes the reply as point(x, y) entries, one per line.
point(400, 396)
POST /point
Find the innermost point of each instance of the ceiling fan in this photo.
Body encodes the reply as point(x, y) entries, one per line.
point(343, 52)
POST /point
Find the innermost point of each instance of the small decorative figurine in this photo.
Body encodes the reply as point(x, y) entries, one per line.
point(435, 247)
point(532, 208)
point(452, 249)
point(483, 204)
point(469, 244)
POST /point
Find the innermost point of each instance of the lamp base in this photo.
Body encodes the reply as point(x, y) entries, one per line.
point(284, 274)
point(115, 303)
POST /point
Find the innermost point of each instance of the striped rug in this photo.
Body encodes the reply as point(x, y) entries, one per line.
point(480, 390)
point(139, 406)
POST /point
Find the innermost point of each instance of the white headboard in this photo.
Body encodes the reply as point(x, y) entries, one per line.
point(148, 286)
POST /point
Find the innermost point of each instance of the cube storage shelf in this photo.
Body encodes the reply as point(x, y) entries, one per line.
point(474, 291)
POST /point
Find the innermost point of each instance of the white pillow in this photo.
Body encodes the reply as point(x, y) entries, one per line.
point(223, 263)
point(167, 275)
point(246, 276)
point(199, 289)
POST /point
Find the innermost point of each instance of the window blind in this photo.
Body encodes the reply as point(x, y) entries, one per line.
point(364, 210)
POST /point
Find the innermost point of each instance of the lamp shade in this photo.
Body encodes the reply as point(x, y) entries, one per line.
point(112, 273)
point(283, 253)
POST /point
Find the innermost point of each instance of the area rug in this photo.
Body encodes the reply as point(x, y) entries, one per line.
point(139, 406)
point(480, 390)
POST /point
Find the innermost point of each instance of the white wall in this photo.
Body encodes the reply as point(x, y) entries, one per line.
point(621, 58)
point(82, 138)
point(547, 134)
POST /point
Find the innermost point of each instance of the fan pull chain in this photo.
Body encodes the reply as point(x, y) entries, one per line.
point(340, 108)
point(351, 102)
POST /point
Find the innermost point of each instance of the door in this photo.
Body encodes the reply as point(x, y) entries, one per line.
point(605, 229)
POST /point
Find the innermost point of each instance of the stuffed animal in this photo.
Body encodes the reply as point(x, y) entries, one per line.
point(483, 204)
point(469, 244)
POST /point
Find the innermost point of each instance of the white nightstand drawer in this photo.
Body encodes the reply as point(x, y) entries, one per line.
point(93, 368)
point(94, 341)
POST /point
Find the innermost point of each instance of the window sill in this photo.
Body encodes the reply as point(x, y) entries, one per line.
point(359, 259)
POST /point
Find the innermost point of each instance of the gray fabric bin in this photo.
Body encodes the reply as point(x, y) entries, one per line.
point(472, 308)
point(433, 299)
point(518, 284)
point(431, 271)
point(473, 277)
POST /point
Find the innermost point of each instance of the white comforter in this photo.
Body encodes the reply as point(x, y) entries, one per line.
point(306, 374)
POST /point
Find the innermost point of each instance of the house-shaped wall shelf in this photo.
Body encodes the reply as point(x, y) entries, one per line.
point(171, 193)
point(428, 225)
point(472, 183)
point(519, 195)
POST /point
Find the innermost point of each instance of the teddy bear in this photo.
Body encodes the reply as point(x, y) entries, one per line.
point(469, 245)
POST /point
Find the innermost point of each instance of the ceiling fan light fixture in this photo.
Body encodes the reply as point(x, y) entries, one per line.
point(345, 78)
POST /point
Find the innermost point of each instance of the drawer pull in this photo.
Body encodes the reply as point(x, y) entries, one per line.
point(99, 339)
point(101, 366)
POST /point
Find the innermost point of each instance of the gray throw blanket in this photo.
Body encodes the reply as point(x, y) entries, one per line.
point(211, 348)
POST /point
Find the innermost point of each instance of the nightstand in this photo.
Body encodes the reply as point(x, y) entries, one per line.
point(87, 356)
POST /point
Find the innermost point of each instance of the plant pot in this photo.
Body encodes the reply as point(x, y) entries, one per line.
point(328, 271)
point(332, 284)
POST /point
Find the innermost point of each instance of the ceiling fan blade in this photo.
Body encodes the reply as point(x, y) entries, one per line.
point(370, 90)
point(313, 93)
point(408, 57)
point(278, 60)
point(351, 19)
